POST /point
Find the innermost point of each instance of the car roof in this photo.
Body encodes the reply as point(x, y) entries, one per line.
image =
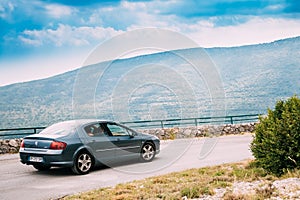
point(80, 122)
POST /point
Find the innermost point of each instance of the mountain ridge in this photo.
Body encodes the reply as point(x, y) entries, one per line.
point(253, 76)
point(141, 56)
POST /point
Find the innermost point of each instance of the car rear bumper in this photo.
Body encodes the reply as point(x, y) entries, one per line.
point(49, 160)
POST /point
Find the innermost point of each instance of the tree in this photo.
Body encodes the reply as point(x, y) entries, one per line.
point(276, 144)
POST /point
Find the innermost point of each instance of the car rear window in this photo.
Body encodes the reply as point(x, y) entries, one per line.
point(62, 129)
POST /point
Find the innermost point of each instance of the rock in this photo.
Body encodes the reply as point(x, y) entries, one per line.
point(4, 149)
point(5, 142)
point(241, 129)
point(227, 129)
point(194, 132)
point(187, 132)
point(160, 132)
point(13, 150)
point(13, 143)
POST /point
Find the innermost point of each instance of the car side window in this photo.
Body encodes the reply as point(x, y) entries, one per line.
point(117, 130)
point(93, 130)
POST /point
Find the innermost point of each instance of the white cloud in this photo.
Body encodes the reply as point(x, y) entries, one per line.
point(2, 11)
point(208, 34)
point(92, 25)
point(275, 7)
point(134, 6)
point(31, 42)
point(240, 30)
point(6, 9)
point(58, 11)
point(205, 31)
point(133, 15)
point(66, 35)
point(256, 30)
point(127, 15)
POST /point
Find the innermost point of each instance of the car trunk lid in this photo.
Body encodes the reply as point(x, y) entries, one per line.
point(38, 143)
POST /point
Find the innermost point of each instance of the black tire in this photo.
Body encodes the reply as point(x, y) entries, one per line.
point(83, 163)
point(148, 152)
point(41, 167)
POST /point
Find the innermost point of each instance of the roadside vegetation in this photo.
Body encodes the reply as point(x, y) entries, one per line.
point(276, 145)
point(194, 183)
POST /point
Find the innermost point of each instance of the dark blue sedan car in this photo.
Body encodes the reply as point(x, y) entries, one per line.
point(82, 144)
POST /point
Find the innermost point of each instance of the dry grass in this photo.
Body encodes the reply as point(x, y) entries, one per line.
point(192, 183)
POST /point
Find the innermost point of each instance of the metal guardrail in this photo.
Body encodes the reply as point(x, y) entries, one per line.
point(166, 123)
point(19, 132)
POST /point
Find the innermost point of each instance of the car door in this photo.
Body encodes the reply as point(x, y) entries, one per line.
point(124, 140)
point(99, 141)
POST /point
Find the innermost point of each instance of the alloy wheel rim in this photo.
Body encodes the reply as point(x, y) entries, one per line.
point(148, 152)
point(84, 162)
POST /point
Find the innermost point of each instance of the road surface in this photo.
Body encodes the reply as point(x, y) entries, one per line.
point(18, 181)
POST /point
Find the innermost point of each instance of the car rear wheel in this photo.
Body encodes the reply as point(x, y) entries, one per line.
point(41, 167)
point(83, 163)
point(148, 152)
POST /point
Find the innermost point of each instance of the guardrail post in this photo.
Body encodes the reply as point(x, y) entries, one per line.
point(34, 131)
point(162, 124)
point(196, 122)
point(231, 119)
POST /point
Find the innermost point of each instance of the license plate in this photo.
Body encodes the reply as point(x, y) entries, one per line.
point(35, 159)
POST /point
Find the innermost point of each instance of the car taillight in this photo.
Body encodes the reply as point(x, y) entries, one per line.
point(58, 145)
point(22, 144)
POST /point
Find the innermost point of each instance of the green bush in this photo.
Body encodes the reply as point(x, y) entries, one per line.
point(276, 144)
point(190, 192)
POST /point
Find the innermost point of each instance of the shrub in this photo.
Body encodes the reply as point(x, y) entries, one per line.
point(276, 144)
point(190, 192)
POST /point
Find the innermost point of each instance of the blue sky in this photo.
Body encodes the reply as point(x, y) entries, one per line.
point(41, 38)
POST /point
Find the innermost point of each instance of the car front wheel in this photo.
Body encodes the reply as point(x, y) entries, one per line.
point(83, 163)
point(148, 152)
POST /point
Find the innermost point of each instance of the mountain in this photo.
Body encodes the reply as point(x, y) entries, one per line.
point(176, 84)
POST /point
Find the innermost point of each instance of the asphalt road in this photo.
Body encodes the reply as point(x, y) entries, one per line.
point(18, 181)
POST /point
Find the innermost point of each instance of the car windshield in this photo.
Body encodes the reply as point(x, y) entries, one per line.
point(62, 128)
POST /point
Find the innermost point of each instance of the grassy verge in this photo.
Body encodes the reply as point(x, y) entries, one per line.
point(193, 183)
